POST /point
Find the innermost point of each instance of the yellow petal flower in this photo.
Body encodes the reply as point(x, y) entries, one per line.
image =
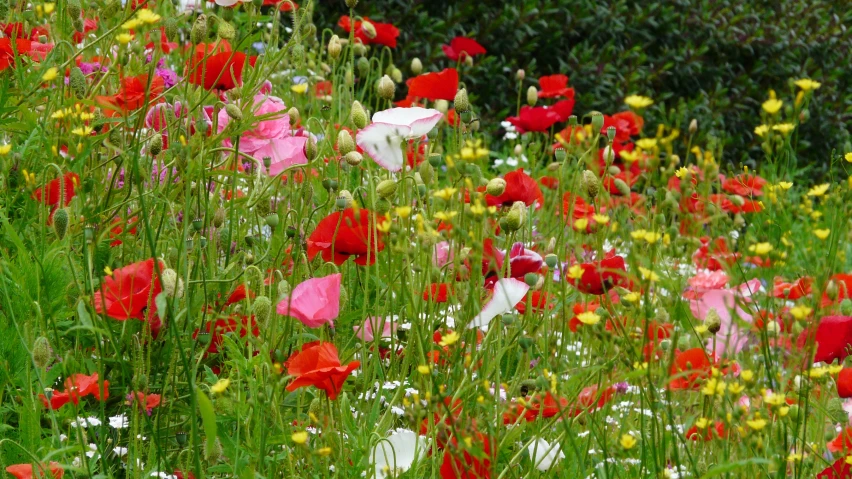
point(50, 74)
point(300, 437)
point(822, 233)
point(772, 106)
point(220, 386)
point(627, 441)
point(589, 318)
point(638, 101)
point(807, 84)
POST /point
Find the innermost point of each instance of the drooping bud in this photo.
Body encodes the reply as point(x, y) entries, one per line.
point(532, 96)
point(226, 31)
point(515, 218)
point(831, 290)
point(199, 30)
point(597, 122)
point(262, 309)
point(353, 158)
point(74, 9)
point(693, 126)
point(386, 188)
point(416, 66)
point(713, 321)
point(622, 187)
point(79, 25)
point(427, 172)
point(496, 187)
point(311, 149)
point(60, 222)
point(359, 115)
point(42, 354)
point(294, 115)
point(155, 146)
point(386, 88)
point(369, 29)
point(334, 47)
point(283, 288)
point(77, 82)
point(591, 183)
point(846, 307)
point(461, 102)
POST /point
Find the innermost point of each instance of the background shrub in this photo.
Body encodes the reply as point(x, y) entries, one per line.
point(705, 59)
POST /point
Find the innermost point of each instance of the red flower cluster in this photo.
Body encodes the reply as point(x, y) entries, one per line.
point(519, 187)
point(216, 66)
point(318, 365)
point(461, 47)
point(442, 85)
point(25, 471)
point(600, 276)
point(76, 387)
point(136, 92)
point(51, 193)
point(343, 234)
point(385, 33)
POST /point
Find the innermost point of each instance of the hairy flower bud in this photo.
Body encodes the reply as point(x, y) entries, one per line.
point(294, 115)
point(496, 187)
point(359, 115)
point(226, 31)
point(170, 27)
point(713, 321)
point(520, 75)
point(597, 122)
point(351, 3)
point(74, 9)
point(353, 158)
point(416, 66)
point(77, 82)
point(693, 126)
point(461, 102)
point(262, 309)
point(831, 290)
point(311, 149)
point(199, 30)
point(42, 353)
point(515, 218)
point(334, 47)
point(172, 284)
point(345, 143)
point(60, 222)
point(591, 183)
point(155, 146)
point(622, 187)
point(427, 172)
point(532, 96)
point(386, 188)
point(386, 88)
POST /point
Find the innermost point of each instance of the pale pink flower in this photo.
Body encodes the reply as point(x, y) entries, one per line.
point(442, 254)
point(706, 279)
point(383, 138)
point(373, 325)
point(730, 338)
point(313, 302)
point(270, 137)
point(507, 293)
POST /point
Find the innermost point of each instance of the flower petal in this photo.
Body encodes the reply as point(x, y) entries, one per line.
point(383, 142)
point(507, 293)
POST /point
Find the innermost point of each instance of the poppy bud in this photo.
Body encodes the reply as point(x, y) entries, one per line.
point(835, 410)
point(359, 115)
point(386, 88)
point(353, 158)
point(77, 82)
point(199, 30)
point(345, 144)
point(334, 47)
point(427, 172)
point(226, 31)
point(514, 219)
point(528, 386)
point(294, 115)
point(386, 188)
point(351, 3)
point(442, 105)
point(532, 96)
point(219, 217)
point(170, 27)
point(283, 288)
point(262, 309)
point(496, 187)
point(60, 222)
point(622, 187)
point(396, 75)
point(531, 279)
point(344, 199)
point(693, 126)
point(359, 48)
point(155, 146)
point(613, 170)
point(78, 24)
point(311, 149)
point(713, 321)
point(172, 284)
point(416, 66)
point(74, 9)
point(591, 184)
point(597, 122)
point(608, 153)
point(42, 352)
point(461, 102)
point(831, 290)
point(369, 29)
point(382, 206)
point(520, 74)
point(550, 247)
point(793, 414)
point(846, 307)
point(772, 329)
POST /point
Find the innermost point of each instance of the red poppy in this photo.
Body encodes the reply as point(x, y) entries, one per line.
point(218, 328)
point(626, 124)
point(442, 85)
point(343, 234)
point(323, 88)
point(844, 289)
point(438, 292)
point(519, 187)
point(591, 399)
point(744, 185)
point(460, 47)
point(467, 462)
point(25, 471)
point(129, 291)
point(714, 255)
point(575, 208)
point(844, 383)
point(215, 66)
point(386, 33)
point(50, 194)
point(539, 118)
point(118, 229)
point(833, 336)
point(146, 401)
point(554, 86)
point(135, 93)
point(538, 300)
point(81, 385)
point(563, 108)
point(17, 30)
point(600, 276)
point(792, 291)
point(7, 52)
point(285, 6)
point(56, 401)
point(318, 365)
point(691, 367)
point(709, 433)
point(839, 470)
point(843, 441)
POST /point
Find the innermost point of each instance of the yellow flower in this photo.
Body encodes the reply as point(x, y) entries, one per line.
point(646, 143)
point(638, 234)
point(424, 369)
point(575, 272)
point(477, 208)
point(48, 8)
point(761, 130)
point(774, 399)
point(702, 422)
point(681, 172)
point(124, 38)
point(580, 224)
point(107, 271)
point(632, 297)
point(649, 275)
point(131, 24)
point(5, 149)
point(445, 215)
point(848, 157)
point(772, 106)
point(794, 457)
point(627, 441)
point(445, 194)
point(835, 368)
point(589, 318)
point(817, 372)
point(701, 329)
point(324, 451)
point(299, 88)
point(147, 16)
point(50, 74)
point(848, 459)
point(807, 84)
point(652, 237)
point(819, 190)
point(600, 219)
point(300, 437)
point(631, 156)
point(761, 249)
point(736, 388)
point(449, 339)
point(638, 101)
point(784, 128)
point(756, 424)
point(785, 185)
point(220, 386)
point(822, 233)
point(403, 211)
point(800, 311)
point(747, 375)
point(713, 386)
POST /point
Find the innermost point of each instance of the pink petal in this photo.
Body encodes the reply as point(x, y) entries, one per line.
point(383, 142)
point(419, 120)
point(507, 293)
point(313, 302)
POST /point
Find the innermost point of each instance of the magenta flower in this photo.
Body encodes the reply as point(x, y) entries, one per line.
point(313, 302)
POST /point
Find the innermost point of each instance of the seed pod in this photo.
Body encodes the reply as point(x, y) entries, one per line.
point(496, 187)
point(461, 101)
point(359, 115)
point(597, 122)
point(199, 30)
point(77, 82)
point(60, 222)
point(42, 353)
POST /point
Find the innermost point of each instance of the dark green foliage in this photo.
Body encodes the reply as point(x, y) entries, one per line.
point(713, 60)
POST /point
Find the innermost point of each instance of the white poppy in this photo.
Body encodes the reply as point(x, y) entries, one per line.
point(397, 453)
point(383, 138)
point(544, 455)
point(507, 293)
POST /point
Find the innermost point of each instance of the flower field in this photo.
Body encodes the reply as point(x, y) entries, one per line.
point(236, 241)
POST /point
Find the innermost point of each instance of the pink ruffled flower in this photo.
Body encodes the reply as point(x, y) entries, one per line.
point(313, 302)
point(706, 279)
point(726, 302)
point(521, 260)
point(270, 138)
point(374, 325)
point(442, 254)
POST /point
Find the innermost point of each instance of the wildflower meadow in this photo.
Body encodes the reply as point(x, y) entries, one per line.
point(262, 239)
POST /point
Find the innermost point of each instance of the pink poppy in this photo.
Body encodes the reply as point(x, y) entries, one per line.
point(375, 327)
point(314, 302)
point(507, 293)
point(729, 339)
point(382, 139)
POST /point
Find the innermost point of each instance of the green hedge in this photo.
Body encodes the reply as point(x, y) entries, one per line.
point(705, 59)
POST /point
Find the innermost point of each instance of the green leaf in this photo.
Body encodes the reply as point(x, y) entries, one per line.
point(720, 469)
point(208, 418)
